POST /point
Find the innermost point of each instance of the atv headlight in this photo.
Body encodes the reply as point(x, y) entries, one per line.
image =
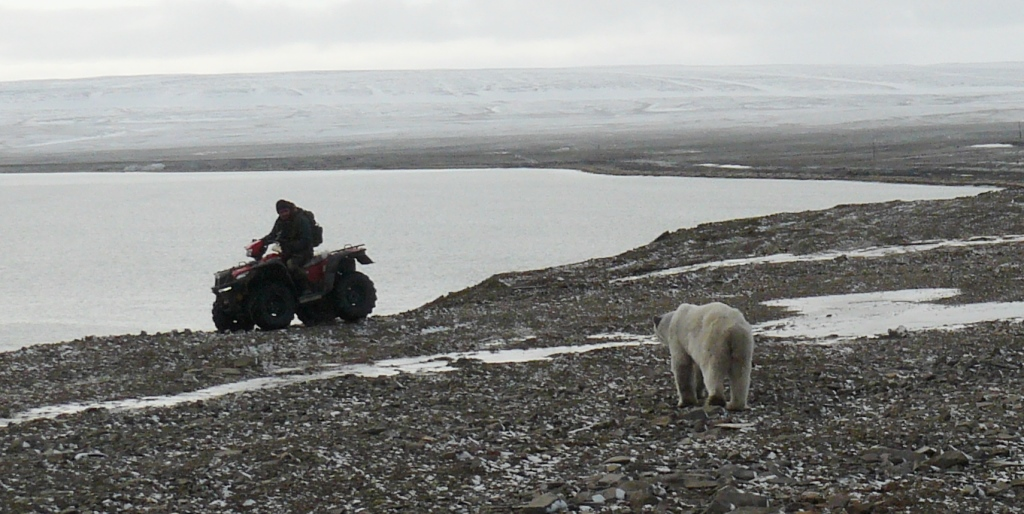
point(225, 289)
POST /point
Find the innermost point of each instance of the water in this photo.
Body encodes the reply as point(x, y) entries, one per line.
point(99, 254)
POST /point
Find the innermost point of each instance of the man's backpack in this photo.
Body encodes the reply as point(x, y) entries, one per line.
point(317, 230)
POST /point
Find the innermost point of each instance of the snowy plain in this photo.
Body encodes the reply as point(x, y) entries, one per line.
point(349, 108)
point(93, 254)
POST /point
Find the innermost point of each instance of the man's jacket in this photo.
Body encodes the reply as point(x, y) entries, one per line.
point(294, 234)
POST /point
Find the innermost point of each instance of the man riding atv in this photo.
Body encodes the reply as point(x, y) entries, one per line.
point(293, 232)
point(273, 288)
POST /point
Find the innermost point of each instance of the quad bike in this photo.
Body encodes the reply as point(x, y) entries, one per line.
point(263, 293)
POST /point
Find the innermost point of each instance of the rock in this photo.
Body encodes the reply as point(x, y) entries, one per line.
point(812, 497)
point(728, 499)
point(858, 507)
point(838, 501)
point(90, 454)
point(948, 460)
point(698, 414)
point(622, 459)
point(696, 483)
point(662, 421)
point(545, 504)
point(998, 488)
point(639, 499)
point(899, 332)
point(612, 493)
point(737, 472)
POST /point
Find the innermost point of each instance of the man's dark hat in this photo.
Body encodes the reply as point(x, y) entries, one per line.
point(284, 204)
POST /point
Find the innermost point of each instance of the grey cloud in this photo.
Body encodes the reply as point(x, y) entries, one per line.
point(736, 32)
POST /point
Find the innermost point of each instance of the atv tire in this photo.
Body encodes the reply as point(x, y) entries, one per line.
point(226, 322)
point(316, 313)
point(272, 306)
point(354, 296)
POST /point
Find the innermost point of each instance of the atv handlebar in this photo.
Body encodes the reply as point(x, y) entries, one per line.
point(256, 248)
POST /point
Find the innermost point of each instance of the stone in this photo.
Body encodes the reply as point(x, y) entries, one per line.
point(639, 499)
point(998, 488)
point(899, 332)
point(737, 472)
point(729, 499)
point(698, 414)
point(948, 460)
point(633, 485)
point(610, 479)
point(545, 504)
point(696, 483)
point(839, 501)
point(812, 497)
point(857, 507)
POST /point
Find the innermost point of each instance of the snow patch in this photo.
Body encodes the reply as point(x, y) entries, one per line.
point(830, 319)
point(725, 166)
point(439, 363)
point(866, 253)
point(134, 168)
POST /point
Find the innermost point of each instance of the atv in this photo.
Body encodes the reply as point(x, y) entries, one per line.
point(263, 293)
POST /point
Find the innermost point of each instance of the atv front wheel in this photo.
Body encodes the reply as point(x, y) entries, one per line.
point(272, 306)
point(226, 322)
point(354, 296)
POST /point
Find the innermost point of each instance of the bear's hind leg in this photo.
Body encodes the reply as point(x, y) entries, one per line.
point(714, 381)
point(739, 385)
point(739, 369)
point(683, 371)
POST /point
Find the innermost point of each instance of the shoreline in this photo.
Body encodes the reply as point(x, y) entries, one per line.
point(932, 154)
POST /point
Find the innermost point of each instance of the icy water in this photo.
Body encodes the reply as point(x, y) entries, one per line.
point(99, 254)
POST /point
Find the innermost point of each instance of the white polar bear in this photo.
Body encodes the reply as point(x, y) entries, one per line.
point(713, 340)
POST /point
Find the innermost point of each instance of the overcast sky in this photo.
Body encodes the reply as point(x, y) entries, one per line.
point(85, 38)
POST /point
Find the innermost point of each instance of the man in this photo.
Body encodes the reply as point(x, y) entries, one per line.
point(294, 232)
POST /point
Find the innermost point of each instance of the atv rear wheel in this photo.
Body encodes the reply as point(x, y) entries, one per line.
point(354, 296)
point(272, 306)
point(316, 313)
point(226, 322)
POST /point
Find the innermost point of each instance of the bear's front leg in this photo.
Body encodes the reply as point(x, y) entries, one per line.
point(683, 371)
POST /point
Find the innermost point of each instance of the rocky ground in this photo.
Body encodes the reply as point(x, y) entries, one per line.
point(918, 422)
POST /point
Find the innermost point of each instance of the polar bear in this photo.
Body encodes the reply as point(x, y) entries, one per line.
point(713, 341)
